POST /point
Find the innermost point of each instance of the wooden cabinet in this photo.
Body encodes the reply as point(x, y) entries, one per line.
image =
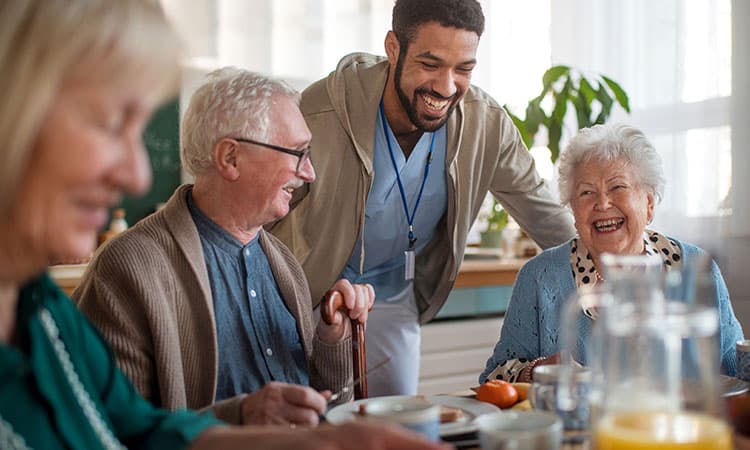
point(453, 353)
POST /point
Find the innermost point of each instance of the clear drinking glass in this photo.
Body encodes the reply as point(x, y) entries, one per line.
point(654, 359)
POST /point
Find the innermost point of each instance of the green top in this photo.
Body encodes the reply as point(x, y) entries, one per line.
point(38, 401)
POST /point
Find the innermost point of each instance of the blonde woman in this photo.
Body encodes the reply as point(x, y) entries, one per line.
point(80, 79)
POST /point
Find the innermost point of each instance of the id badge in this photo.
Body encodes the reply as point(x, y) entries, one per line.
point(409, 265)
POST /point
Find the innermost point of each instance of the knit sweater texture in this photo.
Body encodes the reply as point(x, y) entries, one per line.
point(148, 292)
point(531, 327)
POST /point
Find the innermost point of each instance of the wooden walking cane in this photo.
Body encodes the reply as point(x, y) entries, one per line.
point(333, 302)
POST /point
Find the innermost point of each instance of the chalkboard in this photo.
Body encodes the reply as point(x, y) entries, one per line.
point(162, 139)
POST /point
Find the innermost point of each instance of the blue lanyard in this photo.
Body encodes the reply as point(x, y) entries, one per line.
point(409, 218)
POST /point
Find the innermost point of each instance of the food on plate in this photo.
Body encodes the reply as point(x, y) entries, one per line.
point(448, 414)
point(500, 393)
point(522, 406)
point(523, 390)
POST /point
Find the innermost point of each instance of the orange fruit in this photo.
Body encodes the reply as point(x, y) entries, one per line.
point(523, 390)
point(499, 393)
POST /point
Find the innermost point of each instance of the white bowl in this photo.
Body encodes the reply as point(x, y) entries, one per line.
point(417, 414)
point(520, 430)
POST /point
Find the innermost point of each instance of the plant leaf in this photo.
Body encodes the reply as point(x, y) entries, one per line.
point(553, 74)
point(555, 132)
point(520, 126)
point(535, 116)
point(620, 94)
point(605, 99)
point(583, 111)
point(588, 92)
point(561, 107)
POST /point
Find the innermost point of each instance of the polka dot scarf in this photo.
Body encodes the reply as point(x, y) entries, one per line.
point(585, 273)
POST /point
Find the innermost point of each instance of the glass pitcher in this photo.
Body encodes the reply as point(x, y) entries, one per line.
point(653, 359)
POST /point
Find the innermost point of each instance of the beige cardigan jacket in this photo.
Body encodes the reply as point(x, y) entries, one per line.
point(484, 153)
point(148, 292)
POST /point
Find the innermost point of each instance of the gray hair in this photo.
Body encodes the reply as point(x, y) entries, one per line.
point(232, 103)
point(612, 142)
point(47, 43)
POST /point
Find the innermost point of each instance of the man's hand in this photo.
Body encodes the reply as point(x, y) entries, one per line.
point(358, 299)
point(283, 404)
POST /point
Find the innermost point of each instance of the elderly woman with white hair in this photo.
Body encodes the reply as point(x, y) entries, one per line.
point(611, 177)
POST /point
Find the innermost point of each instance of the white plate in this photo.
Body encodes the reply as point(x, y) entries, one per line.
point(472, 409)
point(733, 386)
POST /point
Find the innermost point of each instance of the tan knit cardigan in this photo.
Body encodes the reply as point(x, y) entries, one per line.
point(148, 292)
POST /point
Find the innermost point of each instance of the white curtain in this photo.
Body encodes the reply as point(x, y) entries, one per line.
point(302, 40)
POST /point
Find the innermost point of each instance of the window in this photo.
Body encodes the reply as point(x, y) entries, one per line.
point(674, 59)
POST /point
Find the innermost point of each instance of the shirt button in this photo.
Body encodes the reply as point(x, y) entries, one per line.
point(269, 352)
point(247, 252)
point(253, 293)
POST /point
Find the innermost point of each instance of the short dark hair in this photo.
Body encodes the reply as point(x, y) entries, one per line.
point(408, 15)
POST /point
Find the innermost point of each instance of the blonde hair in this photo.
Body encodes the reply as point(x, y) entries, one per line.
point(232, 103)
point(46, 43)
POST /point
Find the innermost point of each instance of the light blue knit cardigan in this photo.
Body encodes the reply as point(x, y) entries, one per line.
point(532, 321)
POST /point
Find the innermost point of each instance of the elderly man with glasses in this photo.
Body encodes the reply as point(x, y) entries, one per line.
point(202, 307)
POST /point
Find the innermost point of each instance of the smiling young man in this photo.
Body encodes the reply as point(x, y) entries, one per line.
point(406, 149)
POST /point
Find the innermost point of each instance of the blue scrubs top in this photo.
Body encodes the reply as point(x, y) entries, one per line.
point(386, 225)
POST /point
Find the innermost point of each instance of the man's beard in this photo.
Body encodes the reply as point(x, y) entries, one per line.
point(410, 106)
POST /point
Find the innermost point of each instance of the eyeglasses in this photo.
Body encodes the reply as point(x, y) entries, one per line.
point(303, 155)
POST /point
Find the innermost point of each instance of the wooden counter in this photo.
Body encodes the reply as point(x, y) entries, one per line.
point(67, 276)
point(474, 273)
point(488, 272)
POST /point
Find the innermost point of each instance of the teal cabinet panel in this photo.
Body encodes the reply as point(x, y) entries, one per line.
point(479, 301)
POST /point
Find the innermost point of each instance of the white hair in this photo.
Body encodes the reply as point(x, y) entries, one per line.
point(232, 103)
point(612, 142)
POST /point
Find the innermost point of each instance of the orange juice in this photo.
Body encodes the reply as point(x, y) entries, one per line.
point(648, 430)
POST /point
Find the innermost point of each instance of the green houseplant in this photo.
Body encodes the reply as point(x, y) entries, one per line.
point(562, 86)
point(497, 219)
point(564, 89)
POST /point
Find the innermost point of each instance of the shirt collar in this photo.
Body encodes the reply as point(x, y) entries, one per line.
point(213, 233)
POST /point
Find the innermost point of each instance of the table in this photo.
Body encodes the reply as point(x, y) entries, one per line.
point(488, 272)
point(584, 446)
point(470, 394)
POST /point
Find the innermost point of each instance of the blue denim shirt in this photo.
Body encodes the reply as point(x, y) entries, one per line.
point(257, 335)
